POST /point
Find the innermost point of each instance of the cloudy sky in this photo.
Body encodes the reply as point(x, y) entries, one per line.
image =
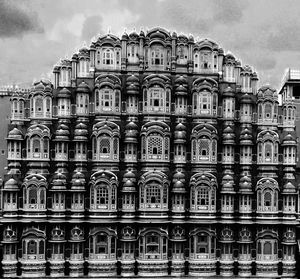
point(35, 34)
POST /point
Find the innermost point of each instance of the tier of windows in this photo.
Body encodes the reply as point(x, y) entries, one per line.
point(65, 77)
point(132, 54)
point(107, 100)
point(34, 198)
point(246, 113)
point(289, 155)
point(108, 58)
point(157, 99)
point(205, 61)
point(40, 107)
point(82, 104)
point(33, 249)
point(153, 246)
point(105, 148)
point(102, 246)
point(205, 103)
point(103, 197)
point(267, 152)
point(61, 150)
point(267, 250)
point(202, 246)
point(246, 83)
point(83, 68)
point(267, 200)
point(155, 147)
point(64, 107)
point(14, 150)
point(228, 108)
point(37, 148)
point(229, 74)
point(203, 199)
point(204, 150)
point(267, 112)
point(17, 109)
point(153, 196)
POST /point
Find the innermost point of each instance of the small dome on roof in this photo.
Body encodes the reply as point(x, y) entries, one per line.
point(15, 133)
point(11, 184)
point(64, 93)
point(83, 88)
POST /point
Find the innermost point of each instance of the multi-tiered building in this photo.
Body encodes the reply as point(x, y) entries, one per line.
point(150, 155)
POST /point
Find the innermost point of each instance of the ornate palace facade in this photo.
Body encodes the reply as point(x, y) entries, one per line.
point(150, 155)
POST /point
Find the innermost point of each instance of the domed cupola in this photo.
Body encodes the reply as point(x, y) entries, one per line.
point(289, 140)
point(246, 99)
point(11, 185)
point(15, 134)
point(83, 88)
point(64, 93)
point(129, 181)
point(245, 184)
point(132, 85)
point(59, 182)
point(124, 36)
point(62, 132)
point(227, 184)
point(81, 132)
point(178, 182)
point(246, 137)
point(78, 182)
point(228, 136)
point(131, 133)
point(180, 133)
point(228, 92)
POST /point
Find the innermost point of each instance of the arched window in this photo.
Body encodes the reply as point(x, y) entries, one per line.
point(155, 142)
point(107, 100)
point(203, 193)
point(153, 245)
point(32, 247)
point(157, 56)
point(204, 144)
point(108, 57)
point(102, 245)
point(32, 195)
point(267, 195)
point(103, 196)
point(202, 244)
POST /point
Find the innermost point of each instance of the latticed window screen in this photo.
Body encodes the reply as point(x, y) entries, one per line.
point(202, 196)
point(214, 148)
point(268, 150)
point(155, 145)
point(204, 147)
point(153, 194)
point(116, 146)
point(268, 110)
point(267, 199)
point(194, 144)
point(105, 145)
point(32, 195)
point(101, 195)
point(166, 146)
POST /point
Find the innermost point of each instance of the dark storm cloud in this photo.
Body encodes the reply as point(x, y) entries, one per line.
point(91, 27)
point(16, 21)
